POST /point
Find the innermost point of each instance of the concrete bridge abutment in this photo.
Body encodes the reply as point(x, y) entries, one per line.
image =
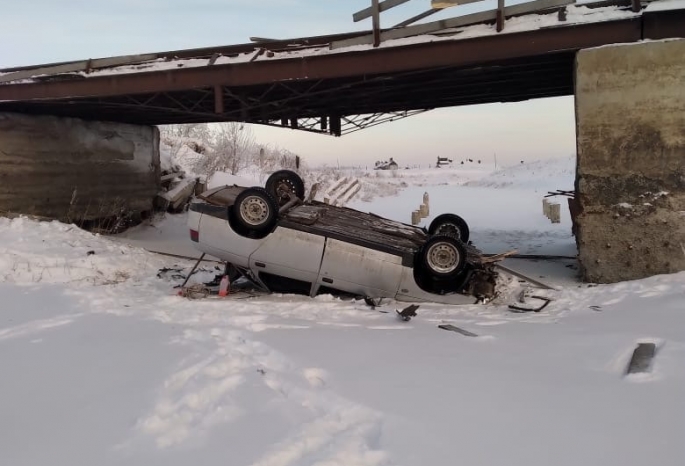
point(630, 180)
point(76, 171)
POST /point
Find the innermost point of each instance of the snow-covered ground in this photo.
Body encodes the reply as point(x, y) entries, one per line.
point(102, 363)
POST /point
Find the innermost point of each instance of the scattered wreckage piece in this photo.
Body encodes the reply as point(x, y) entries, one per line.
point(373, 303)
point(407, 313)
point(499, 257)
point(197, 291)
point(178, 196)
point(310, 247)
point(520, 309)
point(532, 281)
point(642, 358)
point(454, 328)
point(192, 271)
point(176, 190)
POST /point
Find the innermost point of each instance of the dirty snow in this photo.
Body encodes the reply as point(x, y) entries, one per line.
point(103, 364)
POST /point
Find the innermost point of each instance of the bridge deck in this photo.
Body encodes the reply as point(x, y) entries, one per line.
point(319, 89)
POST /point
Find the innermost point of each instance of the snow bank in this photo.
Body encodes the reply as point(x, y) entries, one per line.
point(541, 176)
point(180, 153)
point(226, 179)
point(56, 253)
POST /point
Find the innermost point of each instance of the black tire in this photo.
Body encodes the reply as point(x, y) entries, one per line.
point(442, 258)
point(255, 212)
point(283, 184)
point(450, 225)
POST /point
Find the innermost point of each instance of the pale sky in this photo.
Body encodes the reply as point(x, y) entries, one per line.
point(44, 31)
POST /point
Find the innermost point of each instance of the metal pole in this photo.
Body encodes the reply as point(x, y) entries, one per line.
point(193, 270)
point(376, 15)
point(500, 15)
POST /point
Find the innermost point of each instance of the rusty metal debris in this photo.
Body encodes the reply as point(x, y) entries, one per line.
point(642, 358)
point(454, 328)
point(408, 312)
point(522, 298)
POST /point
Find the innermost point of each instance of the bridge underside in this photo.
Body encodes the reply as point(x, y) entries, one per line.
point(338, 106)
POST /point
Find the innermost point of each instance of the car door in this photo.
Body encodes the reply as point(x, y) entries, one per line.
point(289, 253)
point(358, 269)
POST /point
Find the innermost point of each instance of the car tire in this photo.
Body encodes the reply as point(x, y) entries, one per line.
point(255, 212)
point(283, 184)
point(450, 225)
point(442, 257)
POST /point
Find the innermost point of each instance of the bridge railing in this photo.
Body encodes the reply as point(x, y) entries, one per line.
point(408, 28)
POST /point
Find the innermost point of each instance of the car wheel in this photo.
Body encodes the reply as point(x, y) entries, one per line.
point(443, 257)
point(284, 184)
point(255, 210)
point(450, 225)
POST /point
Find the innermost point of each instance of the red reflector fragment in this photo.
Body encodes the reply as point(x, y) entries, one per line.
point(195, 235)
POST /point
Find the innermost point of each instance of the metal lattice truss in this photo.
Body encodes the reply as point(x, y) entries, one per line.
point(345, 125)
point(314, 106)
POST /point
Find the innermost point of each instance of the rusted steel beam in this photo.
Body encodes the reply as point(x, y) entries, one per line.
point(335, 125)
point(659, 25)
point(218, 100)
point(341, 65)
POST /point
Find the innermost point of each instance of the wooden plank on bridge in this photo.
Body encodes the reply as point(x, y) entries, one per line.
point(431, 12)
point(383, 6)
point(459, 21)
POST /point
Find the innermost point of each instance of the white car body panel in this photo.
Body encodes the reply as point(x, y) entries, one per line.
point(352, 268)
point(289, 253)
point(216, 232)
point(410, 291)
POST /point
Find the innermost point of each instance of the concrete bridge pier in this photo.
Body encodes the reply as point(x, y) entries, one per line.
point(77, 171)
point(630, 181)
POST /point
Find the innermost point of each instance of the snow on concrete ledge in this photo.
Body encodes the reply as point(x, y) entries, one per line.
point(664, 5)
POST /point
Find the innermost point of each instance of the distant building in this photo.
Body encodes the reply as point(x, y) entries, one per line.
point(442, 161)
point(386, 165)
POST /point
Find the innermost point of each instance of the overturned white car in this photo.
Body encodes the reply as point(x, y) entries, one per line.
point(285, 244)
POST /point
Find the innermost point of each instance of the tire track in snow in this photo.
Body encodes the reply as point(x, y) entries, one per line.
point(198, 397)
point(37, 326)
point(203, 394)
